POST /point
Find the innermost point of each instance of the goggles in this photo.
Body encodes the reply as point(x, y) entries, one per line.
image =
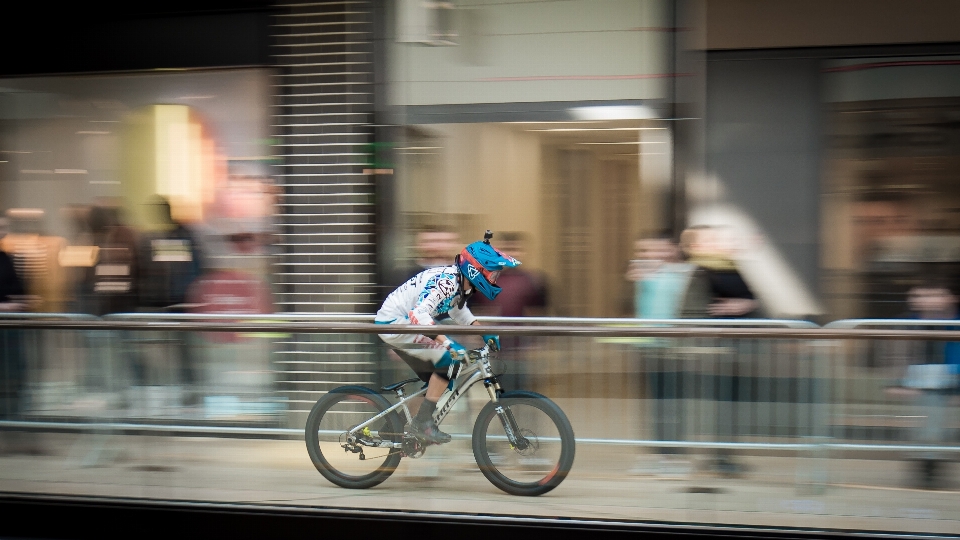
point(490, 275)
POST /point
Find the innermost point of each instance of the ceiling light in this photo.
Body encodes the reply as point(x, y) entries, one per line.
point(598, 129)
point(626, 142)
point(613, 112)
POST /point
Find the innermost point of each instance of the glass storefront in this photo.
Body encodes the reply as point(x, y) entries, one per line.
point(891, 220)
point(144, 192)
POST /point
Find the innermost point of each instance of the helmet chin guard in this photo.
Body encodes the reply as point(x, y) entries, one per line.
point(464, 295)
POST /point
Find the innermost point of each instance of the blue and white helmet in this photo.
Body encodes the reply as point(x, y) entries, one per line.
point(482, 263)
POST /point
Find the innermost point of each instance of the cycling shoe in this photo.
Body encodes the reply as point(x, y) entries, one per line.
point(429, 432)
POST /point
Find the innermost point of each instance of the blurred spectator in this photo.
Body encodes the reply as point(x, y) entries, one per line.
point(885, 228)
point(524, 294)
point(662, 290)
point(877, 217)
point(170, 260)
point(710, 250)
point(35, 256)
point(78, 257)
point(11, 287)
point(718, 289)
point(932, 376)
point(11, 357)
point(660, 278)
point(109, 286)
point(435, 246)
point(111, 283)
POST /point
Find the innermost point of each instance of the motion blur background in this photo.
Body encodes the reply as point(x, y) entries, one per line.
point(257, 158)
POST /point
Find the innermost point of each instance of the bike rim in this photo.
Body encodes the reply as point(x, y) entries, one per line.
point(344, 413)
point(538, 464)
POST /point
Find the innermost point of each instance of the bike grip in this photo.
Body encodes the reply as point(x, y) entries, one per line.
point(457, 351)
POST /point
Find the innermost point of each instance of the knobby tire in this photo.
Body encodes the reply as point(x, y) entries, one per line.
point(338, 396)
point(501, 480)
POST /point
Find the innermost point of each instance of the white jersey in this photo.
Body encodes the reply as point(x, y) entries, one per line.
point(426, 296)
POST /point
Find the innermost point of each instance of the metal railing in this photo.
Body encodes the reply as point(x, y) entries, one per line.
point(747, 385)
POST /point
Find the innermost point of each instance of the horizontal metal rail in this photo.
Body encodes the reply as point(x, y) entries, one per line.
point(43, 316)
point(226, 324)
point(120, 428)
point(892, 323)
point(565, 321)
point(271, 324)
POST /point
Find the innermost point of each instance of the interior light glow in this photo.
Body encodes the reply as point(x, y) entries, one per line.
point(613, 112)
point(556, 122)
point(626, 142)
point(598, 129)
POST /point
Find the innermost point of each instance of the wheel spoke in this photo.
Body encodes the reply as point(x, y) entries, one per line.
point(340, 461)
point(544, 447)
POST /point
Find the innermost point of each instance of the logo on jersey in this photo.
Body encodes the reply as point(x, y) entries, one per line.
point(446, 286)
point(472, 272)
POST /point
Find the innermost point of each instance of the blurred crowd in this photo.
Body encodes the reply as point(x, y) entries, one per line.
point(105, 265)
point(697, 277)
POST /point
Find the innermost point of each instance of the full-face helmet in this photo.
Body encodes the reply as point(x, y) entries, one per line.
point(482, 263)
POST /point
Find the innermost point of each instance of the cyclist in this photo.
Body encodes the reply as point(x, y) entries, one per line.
point(422, 300)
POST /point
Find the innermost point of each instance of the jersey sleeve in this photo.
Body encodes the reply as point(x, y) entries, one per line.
point(462, 316)
point(423, 312)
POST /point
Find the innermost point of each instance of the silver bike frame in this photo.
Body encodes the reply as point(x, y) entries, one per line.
point(475, 369)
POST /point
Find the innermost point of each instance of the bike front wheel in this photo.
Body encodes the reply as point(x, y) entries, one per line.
point(360, 464)
point(545, 447)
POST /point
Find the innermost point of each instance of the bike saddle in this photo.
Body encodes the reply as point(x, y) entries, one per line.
point(394, 386)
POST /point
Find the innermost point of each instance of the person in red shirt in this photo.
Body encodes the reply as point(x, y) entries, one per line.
point(524, 295)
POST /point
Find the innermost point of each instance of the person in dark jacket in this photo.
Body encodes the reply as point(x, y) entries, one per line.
point(12, 300)
point(727, 294)
point(719, 290)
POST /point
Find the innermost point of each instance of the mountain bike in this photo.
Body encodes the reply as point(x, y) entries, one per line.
point(522, 442)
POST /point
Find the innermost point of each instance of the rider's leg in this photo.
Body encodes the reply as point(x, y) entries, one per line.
point(435, 388)
point(431, 362)
point(423, 423)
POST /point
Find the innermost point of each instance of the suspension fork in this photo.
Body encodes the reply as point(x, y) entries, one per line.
point(509, 422)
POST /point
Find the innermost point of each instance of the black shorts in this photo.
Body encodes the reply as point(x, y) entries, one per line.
point(423, 368)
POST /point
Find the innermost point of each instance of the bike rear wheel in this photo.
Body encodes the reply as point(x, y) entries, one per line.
point(546, 448)
point(354, 466)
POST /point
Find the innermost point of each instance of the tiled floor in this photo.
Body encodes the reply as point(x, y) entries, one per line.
point(610, 484)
